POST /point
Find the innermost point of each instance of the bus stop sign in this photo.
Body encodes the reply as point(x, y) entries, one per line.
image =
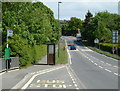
point(7, 53)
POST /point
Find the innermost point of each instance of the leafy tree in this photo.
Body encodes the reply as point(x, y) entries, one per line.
point(32, 24)
point(101, 26)
point(70, 28)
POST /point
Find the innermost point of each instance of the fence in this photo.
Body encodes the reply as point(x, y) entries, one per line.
point(14, 63)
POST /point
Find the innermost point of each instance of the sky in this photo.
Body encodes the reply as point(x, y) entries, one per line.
point(79, 8)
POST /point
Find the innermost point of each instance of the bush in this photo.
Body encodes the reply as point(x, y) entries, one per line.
point(108, 47)
point(29, 54)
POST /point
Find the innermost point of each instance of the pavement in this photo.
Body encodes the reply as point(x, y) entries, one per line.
point(40, 77)
point(13, 77)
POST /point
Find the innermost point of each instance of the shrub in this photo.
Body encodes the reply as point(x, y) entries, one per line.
point(108, 47)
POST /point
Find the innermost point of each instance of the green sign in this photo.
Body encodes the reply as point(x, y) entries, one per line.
point(7, 53)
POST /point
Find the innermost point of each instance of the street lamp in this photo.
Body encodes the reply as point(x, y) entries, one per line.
point(59, 27)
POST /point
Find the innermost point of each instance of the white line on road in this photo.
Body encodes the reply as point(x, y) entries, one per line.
point(75, 85)
point(77, 88)
point(69, 59)
point(105, 56)
point(9, 71)
point(116, 74)
point(108, 64)
point(95, 63)
point(73, 80)
point(102, 61)
point(101, 67)
point(33, 77)
point(115, 66)
point(92, 61)
point(107, 70)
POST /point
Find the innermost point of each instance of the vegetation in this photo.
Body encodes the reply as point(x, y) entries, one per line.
point(100, 26)
point(105, 53)
point(63, 58)
point(71, 27)
point(33, 24)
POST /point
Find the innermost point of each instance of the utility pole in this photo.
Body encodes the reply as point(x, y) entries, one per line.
point(59, 28)
point(98, 33)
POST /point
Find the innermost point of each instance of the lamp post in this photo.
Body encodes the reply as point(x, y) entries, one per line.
point(59, 27)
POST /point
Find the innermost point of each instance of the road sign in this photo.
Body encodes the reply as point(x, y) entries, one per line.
point(96, 40)
point(7, 53)
point(9, 33)
point(115, 37)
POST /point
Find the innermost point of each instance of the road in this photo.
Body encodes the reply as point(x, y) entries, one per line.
point(57, 77)
point(86, 69)
point(94, 70)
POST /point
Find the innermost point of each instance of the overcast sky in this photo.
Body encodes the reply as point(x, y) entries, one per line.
point(78, 8)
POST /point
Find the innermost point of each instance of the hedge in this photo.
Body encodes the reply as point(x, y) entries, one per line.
point(29, 54)
point(108, 47)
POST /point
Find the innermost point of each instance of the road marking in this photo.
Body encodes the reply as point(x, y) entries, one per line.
point(46, 84)
point(94, 57)
point(115, 66)
point(73, 80)
point(107, 70)
point(101, 67)
point(2, 73)
point(9, 71)
point(116, 74)
point(38, 86)
point(92, 61)
point(57, 86)
point(50, 81)
point(69, 59)
point(74, 50)
point(102, 61)
point(34, 85)
point(71, 77)
point(105, 56)
point(81, 85)
point(33, 77)
point(76, 85)
point(85, 50)
point(108, 64)
point(95, 63)
point(64, 86)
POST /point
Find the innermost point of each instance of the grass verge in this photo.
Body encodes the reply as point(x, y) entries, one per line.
point(63, 58)
point(102, 52)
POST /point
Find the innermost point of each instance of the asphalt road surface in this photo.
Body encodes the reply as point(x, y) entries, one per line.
point(86, 69)
point(94, 70)
point(55, 78)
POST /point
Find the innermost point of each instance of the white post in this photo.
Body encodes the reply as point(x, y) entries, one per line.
point(7, 40)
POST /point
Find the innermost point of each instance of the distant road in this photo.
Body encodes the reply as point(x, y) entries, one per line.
point(94, 70)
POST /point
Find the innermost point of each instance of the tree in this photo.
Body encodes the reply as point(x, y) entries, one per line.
point(33, 24)
point(88, 17)
point(101, 26)
point(70, 28)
